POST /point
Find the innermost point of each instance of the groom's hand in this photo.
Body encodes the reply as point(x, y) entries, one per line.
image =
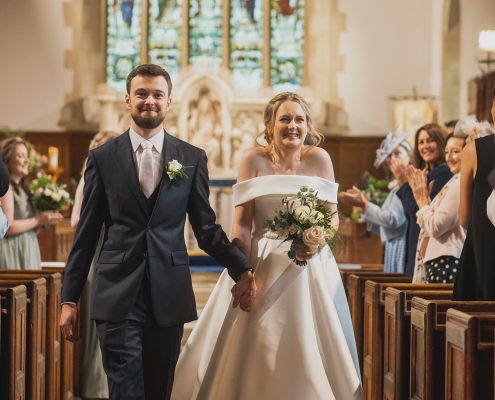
point(68, 321)
point(244, 291)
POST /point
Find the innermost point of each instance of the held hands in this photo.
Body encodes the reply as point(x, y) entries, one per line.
point(417, 181)
point(68, 322)
point(49, 218)
point(244, 291)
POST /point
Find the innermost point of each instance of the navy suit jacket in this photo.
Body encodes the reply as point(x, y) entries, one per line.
point(136, 237)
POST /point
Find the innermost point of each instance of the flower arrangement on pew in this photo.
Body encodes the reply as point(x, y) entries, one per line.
point(304, 221)
point(48, 196)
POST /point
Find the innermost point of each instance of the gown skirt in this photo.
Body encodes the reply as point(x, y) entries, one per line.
point(297, 343)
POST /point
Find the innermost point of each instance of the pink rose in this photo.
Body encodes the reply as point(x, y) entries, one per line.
point(314, 237)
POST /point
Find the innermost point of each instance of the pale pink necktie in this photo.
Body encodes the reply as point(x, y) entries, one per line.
point(146, 173)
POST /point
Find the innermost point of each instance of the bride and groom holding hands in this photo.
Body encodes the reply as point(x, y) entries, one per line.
point(292, 337)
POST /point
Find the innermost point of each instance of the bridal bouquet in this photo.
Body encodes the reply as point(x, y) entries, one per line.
point(46, 195)
point(305, 222)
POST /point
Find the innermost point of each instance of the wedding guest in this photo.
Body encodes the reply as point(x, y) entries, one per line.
point(4, 186)
point(389, 219)
point(298, 341)
point(441, 235)
point(93, 380)
point(429, 155)
point(475, 278)
point(450, 126)
point(472, 129)
point(19, 249)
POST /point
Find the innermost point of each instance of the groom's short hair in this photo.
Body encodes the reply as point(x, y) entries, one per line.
point(148, 70)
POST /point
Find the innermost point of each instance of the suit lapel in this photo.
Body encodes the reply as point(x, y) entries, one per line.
point(122, 155)
point(169, 152)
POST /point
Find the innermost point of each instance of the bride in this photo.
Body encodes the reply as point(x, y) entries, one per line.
point(297, 342)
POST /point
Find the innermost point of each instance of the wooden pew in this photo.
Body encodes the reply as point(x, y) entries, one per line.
point(35, 336)
point(355, 298)
point(397, 326)
point(428, 319)
point(53, 337)
point(374, 308)
point(69, 357)
point(345, 272)
point(469, 347)
point(13, 342)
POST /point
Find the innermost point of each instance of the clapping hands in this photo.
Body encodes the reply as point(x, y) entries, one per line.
point(398, 169)
point(354, 197)
point(244, 291)
point(417, 181)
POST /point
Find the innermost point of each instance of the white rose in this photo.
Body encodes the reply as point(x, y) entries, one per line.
point(65, 194)
point(302, 213)
point(39, 191)
point(56, 196)
point(316, 217)
point(174, 166)
point(47, 192)
point(294, 202)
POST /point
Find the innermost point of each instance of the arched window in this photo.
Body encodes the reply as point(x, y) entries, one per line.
point(260, 41)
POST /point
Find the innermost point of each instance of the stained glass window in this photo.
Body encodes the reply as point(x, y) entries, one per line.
point(286, 43)
point(246, 43)
point(123, 40)
point(165, 34)
point(205, 30)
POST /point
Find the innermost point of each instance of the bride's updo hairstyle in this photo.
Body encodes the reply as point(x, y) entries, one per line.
point(313, 137)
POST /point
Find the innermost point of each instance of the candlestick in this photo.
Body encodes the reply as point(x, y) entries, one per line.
point(52, 158)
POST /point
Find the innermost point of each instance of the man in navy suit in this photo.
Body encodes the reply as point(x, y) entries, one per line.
point(137, 191)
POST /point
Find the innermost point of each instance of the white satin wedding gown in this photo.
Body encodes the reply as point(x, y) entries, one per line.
point(297, 343)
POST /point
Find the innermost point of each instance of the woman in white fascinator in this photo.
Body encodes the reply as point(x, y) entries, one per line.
point(389, 220)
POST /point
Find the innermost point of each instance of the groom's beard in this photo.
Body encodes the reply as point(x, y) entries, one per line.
point(148, 122)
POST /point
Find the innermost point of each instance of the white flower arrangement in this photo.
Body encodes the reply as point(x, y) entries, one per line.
point(175, 169)
point(305, 222)
point(47, 195)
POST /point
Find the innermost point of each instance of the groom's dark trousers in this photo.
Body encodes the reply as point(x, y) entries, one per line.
point(142, 290)
point(138, 355)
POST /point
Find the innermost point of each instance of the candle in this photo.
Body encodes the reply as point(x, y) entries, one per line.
point(52, 158)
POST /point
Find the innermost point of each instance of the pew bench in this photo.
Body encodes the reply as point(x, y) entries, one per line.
point(397, 326)
point(428, 321)
point(35, 334)
point(469, 347)
point(355, 298)
point(374, 309)
point(13, 304)
point(53, 336)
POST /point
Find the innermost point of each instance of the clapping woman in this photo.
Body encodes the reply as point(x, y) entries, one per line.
point(389, 219)
point(19, 248)
point(441, 235)
point(429, 156)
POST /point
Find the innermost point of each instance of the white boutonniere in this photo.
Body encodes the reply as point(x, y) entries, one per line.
point(175, 169)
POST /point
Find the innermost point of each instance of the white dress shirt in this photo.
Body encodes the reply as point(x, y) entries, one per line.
point(157, 142)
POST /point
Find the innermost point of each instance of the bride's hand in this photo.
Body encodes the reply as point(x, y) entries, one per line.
point(306, 254)
point(244, 291)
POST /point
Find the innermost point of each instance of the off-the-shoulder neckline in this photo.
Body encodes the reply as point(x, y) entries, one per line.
point(286, 176)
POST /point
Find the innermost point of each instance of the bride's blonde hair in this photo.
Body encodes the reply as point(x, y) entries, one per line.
point(313, 137)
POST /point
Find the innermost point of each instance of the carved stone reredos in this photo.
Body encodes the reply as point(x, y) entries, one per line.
point(206, 111)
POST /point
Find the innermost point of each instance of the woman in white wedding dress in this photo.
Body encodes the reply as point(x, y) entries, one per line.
point(297, 343)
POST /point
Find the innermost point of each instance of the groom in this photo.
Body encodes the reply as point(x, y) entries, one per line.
point(139, 188)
